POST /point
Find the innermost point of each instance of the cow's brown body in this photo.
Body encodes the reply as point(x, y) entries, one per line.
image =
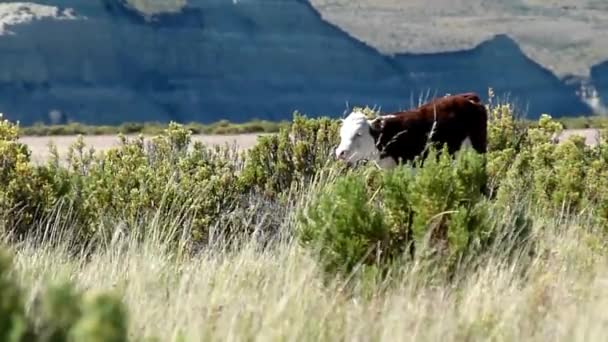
point(447, 120)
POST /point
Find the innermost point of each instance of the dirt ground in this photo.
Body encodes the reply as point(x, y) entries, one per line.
point(40, 151)
point(40, 145)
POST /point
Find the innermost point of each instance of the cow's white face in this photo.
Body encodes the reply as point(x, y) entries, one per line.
point(356, 140)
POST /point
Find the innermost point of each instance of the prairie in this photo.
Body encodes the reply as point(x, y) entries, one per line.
point(40, 152)
point(177, 240)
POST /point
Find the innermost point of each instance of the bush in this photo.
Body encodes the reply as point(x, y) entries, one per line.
point(129, 182)
point(446, 197)
point(294, 154)
point(368, 216)
point(161, 177)
point(13, 321)
point(153, 128)
point(374, 222)
point(25, 191)
point(62, 313)
point(345, 226)
point(166, 175)
point(440, 213)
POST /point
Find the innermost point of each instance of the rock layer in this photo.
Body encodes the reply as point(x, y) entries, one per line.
point(236, 60)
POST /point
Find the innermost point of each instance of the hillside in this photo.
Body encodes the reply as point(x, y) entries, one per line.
point(111, 61)
point(599, 74)
point(565, 36)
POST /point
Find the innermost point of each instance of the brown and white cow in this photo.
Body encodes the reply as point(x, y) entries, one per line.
point(455, 120)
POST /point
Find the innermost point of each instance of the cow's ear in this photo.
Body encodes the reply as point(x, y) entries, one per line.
point(376, 124)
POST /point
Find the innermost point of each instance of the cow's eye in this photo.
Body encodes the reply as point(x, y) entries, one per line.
point(358, 134)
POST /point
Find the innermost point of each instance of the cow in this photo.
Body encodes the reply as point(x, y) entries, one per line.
point(456, 120)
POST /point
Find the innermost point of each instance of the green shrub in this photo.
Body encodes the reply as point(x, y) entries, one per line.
point(447, 200)
point(130, 181)
point(103, 319)
point(394, 192)
point(57, 312)
point(344, 226)
point(13, 321)
point(61, 313)
point(166, 175)
point(370, 216)
point(504, 131)
point(136, 180)
point(294, 154)
point(557, 173)
point(154, 128)
point(440, 207)
point(25, 191)
point(595, 196)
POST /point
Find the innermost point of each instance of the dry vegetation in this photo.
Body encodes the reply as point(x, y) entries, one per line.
point(278, 294)
point(39, 145)
point(198, 243)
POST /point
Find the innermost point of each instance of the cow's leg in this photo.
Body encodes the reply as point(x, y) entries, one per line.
point(479, 139)
point(479, 144)
point(466, 143)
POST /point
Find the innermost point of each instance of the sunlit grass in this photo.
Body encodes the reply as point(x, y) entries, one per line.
point(279, 293)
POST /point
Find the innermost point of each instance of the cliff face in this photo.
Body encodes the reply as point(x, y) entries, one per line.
point(498, 63)
point(567, 37)
point(599, 76)
point(103, 62)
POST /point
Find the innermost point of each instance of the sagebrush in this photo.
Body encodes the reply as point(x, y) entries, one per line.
point(358, 224)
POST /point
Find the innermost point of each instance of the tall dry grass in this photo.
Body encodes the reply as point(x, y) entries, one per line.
point(552, 289)
point(232, 270)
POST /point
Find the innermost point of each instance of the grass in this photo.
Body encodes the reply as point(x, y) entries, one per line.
point(224, 127)
point(277, 294)
point(248, 276)
point(594, 121)
point(152, 128)
point(552, 289)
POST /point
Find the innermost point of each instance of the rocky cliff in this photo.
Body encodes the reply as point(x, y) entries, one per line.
point(104, 62)
point(599, 74)
point(498, 63)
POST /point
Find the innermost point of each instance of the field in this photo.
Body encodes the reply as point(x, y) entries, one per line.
point(272, 239)
point(40, 151)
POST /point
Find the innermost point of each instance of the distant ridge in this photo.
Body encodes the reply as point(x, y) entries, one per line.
point(218, 60)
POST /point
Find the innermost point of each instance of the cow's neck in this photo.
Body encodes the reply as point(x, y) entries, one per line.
point(376, 135)
point(380, 145)
point(381, 158)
